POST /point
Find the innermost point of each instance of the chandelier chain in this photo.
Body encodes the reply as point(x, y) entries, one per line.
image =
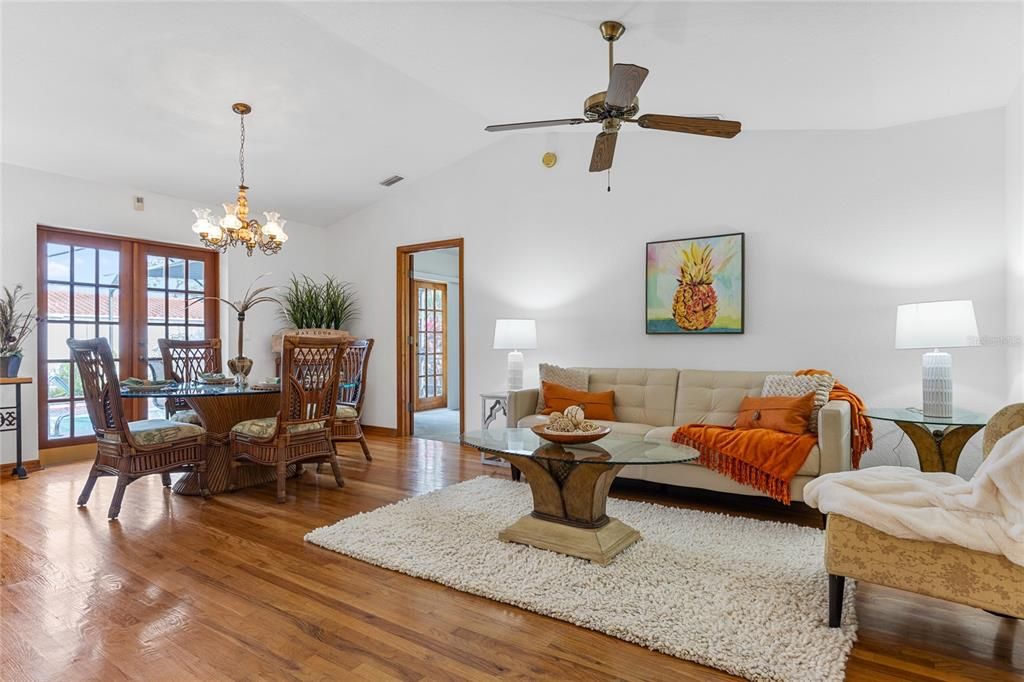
point(241, 151)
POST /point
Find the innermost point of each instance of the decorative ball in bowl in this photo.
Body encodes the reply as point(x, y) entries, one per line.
point(570, 428)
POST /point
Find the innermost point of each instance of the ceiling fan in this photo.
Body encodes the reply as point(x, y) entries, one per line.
point(619, 104)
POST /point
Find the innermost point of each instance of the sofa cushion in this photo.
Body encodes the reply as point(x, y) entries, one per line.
point(713, 397)
point(558, 398)
point(157, 431)
point(642, 396)
point(810, 467)
point(576, 379)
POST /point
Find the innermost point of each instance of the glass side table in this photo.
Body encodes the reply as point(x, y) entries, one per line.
point(938, 440)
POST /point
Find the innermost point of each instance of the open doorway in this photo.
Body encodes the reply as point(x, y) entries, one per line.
point(430, 340)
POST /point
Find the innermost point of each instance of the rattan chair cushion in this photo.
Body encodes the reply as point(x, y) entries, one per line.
point(266, 427)
point(346, 412)
point(157, 431)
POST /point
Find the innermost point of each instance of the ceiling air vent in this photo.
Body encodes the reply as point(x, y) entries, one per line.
point(393, 180)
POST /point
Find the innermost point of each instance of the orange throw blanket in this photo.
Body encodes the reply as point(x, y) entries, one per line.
point(863, 438)
point(763, 459)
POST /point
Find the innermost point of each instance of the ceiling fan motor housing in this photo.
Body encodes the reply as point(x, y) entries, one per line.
point(594, 108)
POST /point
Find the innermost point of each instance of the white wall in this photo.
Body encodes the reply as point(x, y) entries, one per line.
point(32, 197)
point(1013, 337)
point(841, 227)
point(442, 265)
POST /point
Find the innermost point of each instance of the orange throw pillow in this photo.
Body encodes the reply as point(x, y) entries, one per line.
point(595, 405)
point(789, 415)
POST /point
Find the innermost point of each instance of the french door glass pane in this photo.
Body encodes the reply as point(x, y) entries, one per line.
point(85, 264)
point(58, 262)
point(58, 380)
point(110, 267)
point(57, 335)
point(109, 304)
point(176, 274)
point(82, 424)
point(175, 308)
point(58, 301)
point(58, 420)
point(155, 272)
point(85, 300)
point(196, 276)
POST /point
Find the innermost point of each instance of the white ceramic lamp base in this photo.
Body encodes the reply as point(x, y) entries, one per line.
point(937, 384)
point(515, 371)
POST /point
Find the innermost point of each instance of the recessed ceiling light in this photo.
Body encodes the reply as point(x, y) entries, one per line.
point(393, 180)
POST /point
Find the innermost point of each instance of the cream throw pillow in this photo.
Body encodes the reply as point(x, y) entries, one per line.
point(576, 379)
point(790, 385)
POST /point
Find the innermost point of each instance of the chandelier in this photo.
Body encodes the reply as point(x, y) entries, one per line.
point(235, 228)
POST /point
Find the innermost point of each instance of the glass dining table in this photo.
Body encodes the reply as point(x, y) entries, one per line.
point(219, 407)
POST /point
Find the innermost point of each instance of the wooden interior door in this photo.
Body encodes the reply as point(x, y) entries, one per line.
point(430, 318)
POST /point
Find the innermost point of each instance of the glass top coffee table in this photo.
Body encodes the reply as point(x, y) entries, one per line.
point(570, 486)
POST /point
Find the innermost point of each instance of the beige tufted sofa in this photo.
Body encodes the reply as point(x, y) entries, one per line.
point(651, 403)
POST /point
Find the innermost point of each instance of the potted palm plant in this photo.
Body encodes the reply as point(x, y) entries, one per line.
point(17, 320)
point(240, 365)
point(308, 305)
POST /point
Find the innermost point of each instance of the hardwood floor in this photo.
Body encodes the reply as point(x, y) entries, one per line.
point(180, 589)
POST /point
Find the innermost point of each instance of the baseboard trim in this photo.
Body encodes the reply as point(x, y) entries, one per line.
point(67, 454)
point(380, 431)
point(31, 466)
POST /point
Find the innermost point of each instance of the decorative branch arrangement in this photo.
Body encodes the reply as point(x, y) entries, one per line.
point(241, 365)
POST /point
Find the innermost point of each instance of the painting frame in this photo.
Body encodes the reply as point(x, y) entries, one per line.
point(658, 326)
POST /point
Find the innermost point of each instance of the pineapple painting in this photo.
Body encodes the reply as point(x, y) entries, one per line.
point(695, 285)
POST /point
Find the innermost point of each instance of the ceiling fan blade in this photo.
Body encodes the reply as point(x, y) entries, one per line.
point(604, 152)
point(623, 85)
point(690, 124)
point(535, 124)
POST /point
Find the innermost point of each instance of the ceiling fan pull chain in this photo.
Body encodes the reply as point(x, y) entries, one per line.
point(609, 179)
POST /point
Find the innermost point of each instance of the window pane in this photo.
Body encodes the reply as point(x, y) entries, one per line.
point(58, 301)
point(110, 267)
point(76, 380)
point(430, 387)
point(156, 408)
point(422, 324)
point(85, 302)
point(423, 298)
point(438, 385)
point(176, 309)
point(82, 425)
point(111, 332)
point(196, 275)
point(438, 301)
point(423, 343)
point(155, 274)
point(58, 379)
point(57, 334)
point(85, 264)
point(423, 387)
point(430, 364)
point(154, 332)
point(439, 321)
point(430, 343)
point(58, 262)
point(196, 309)
point(430, 298)
point(196, 333)
point(176, 273)
point(439, 364)
point(85, 331)
point(58, 420)
point(110, 304)
point(155, 308)
point(423, 365)
point(176, 333)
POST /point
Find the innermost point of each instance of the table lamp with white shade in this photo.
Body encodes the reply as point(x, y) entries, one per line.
point(515, 336)
point(935, 325)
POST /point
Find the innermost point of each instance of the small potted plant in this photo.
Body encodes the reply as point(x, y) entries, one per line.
point(308, 305)
point(17, 320)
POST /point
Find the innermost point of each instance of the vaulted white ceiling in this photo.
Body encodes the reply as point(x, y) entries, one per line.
point(345, 94)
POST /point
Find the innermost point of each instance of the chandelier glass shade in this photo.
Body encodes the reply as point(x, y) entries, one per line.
point(235, 228)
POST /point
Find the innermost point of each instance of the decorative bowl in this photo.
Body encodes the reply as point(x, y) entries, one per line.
point(570, 437)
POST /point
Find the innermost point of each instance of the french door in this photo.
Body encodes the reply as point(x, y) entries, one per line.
point(431, 316)
point(129, 292)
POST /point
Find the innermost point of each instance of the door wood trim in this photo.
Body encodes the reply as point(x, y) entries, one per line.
point(403, 325)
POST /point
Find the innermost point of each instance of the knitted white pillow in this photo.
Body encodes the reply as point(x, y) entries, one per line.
point(576, 379)
point(790, 385)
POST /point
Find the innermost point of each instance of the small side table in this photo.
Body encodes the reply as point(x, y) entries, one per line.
point(490, 405)
point(10, 420)
point(938, 440)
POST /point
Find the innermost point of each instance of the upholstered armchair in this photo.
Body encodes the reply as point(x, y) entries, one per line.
point(301, 431)
point(347, 427)
point(185, 361)
point(130, 450)
point(937, 569)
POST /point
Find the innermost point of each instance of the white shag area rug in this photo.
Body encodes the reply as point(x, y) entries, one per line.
point(745, 596)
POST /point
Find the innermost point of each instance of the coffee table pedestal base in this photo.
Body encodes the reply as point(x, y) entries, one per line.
point(599, 545)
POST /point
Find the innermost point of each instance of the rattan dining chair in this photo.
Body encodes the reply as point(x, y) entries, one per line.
point(347, 426)
point(130, 450)
point(301, 431)
point(185, 361)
